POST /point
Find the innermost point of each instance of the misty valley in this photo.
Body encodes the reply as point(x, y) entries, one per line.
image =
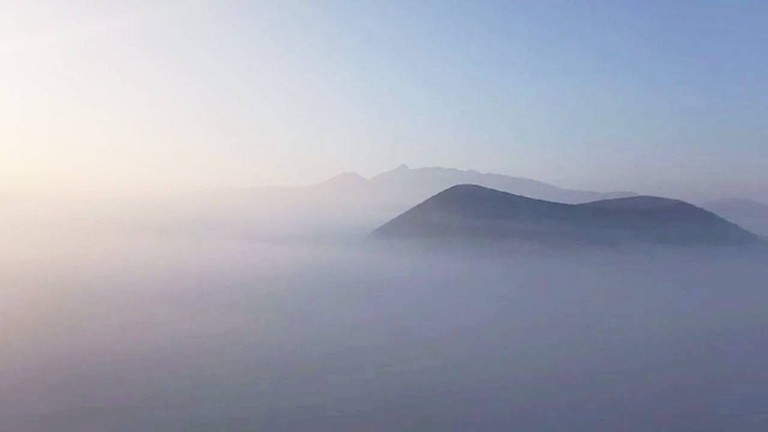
point(202, 313)
point(207, 225)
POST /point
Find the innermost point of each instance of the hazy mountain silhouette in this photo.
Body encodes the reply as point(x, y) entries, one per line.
point(383, 196)
point(472, 211)
point(347, 204)
point(405, 184)
point(748, 213)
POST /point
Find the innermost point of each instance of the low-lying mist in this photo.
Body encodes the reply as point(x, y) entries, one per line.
point(181, 326)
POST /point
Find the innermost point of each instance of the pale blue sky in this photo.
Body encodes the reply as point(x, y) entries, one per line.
point(663, 97)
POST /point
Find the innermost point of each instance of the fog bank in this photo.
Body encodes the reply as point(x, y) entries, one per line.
point(123, 331)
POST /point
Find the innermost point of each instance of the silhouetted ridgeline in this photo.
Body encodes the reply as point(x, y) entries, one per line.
point(470, 211)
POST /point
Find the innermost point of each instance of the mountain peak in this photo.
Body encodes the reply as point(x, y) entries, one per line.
point(471, 211)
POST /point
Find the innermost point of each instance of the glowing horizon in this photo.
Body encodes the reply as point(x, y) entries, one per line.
point(148, 96)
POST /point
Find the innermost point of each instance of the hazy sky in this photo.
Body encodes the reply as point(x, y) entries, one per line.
point(650, 96)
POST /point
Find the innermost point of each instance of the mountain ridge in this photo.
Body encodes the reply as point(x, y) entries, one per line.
point(473, 211)
point(435, 179)
point(750, 214)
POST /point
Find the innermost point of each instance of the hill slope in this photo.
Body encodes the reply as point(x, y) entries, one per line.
point(748, 213)
point(471, 211)
point(413, 185)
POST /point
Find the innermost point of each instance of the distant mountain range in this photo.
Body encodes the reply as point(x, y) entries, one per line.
point(407, 186)
point(350, 203)
point(347, 204)
point(477, 212)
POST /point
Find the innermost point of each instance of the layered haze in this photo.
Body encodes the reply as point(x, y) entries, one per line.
point(125, 330)
point(206, 222)
point(146, 96)
point(178, 316)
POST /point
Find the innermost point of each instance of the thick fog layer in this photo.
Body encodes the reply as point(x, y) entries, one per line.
point(129, 327)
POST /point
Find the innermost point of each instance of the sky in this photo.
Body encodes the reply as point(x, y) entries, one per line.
point(658, 97)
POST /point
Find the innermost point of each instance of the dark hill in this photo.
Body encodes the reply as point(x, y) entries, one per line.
point(470, 211)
